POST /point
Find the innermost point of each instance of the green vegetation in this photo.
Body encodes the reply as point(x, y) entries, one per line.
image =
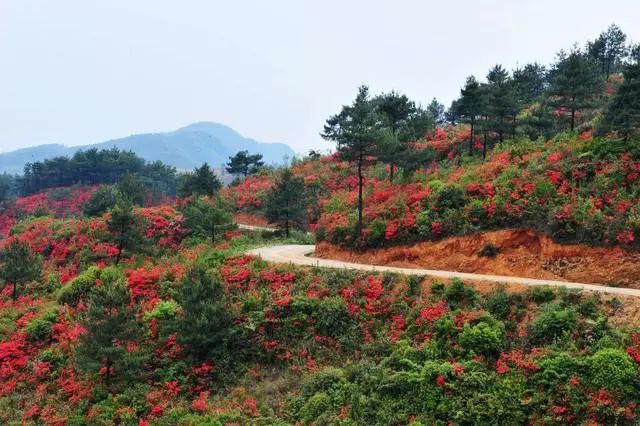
point(286, 203)
point(19, 265)
point(244, 164)
point(119, 307)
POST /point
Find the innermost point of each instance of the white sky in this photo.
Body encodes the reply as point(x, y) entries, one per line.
point(81, 71)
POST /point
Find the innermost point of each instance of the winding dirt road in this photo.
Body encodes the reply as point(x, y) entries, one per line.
point(299, 255)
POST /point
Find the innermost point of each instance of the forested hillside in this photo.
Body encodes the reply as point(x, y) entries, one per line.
point(127, 296)
point(553, 148)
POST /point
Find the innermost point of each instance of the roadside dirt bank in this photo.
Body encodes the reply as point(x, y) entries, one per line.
point(521, 253)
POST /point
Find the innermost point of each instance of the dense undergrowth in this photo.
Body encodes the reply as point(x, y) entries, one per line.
point(183, 332)
point(574, 188)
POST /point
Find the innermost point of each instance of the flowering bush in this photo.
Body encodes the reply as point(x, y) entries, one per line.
point(552, 187)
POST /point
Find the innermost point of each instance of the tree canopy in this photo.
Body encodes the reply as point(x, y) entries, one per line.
point(244, 164)
point(202, 181)
point(286, 203)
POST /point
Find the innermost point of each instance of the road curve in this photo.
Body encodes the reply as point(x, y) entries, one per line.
point(299, 255)
point(255, 228)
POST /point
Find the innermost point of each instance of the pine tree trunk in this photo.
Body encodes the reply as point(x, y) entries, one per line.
point(484, 146)
point(391, 169)
point(360, 185)
point(473, 122)
point(573, 118)
point(107, 377)
point(286, 220)
point(14, 292)
point(119, 251)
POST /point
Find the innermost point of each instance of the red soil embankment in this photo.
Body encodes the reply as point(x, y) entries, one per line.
point(521, 253)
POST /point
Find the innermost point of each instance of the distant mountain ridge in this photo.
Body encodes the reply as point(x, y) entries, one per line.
point(185, 148)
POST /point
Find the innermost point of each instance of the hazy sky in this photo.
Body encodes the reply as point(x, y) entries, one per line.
point(83, 71)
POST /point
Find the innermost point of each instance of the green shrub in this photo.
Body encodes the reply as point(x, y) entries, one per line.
point(613, 369)
point(498, 303)
point(482, 338)
point(100, 201)
point(55, 356)
point(553, 323)
point(331, 317)
point(80, 286)
point(437, 289)
point(477, 212)
point(315, 406)
point(377, 230)
point(165, 309)
point(415, 285)
point(451, 197)
point(458, 294)
point(325, 380)
point(556, 369)
point(541, 294)
point(39, 328)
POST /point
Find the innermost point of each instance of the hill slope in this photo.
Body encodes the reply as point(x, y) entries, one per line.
point(184, 148)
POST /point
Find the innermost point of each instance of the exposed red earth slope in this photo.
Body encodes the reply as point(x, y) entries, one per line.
point(520, 253)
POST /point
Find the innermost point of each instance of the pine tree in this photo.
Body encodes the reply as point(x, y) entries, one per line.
point(403, 123)
point(529, 83)
point(435, 111)
point(7, 186)
point(623, 114)
point(131, 189)
point(202, 181)
point(286, 203)
point(575, 84)
point(608, 49)
point(206, 328)
point(470, 106)
point(100, 201)
point(244, 164)
point(122, 225)
point(452, 114)
point(596, 50)
point(634, 54)
point(207, 217)
point(501, 103)
point(20, 265)
point(357, 131)
point(110, 324)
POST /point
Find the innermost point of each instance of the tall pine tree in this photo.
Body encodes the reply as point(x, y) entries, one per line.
point(122, 225)
point(435, 110)
point(357, 129)
point(207, 217)
point(286, 203)
point(623, 114)
point(206, 328)
point(19, 266)
point(202, 181)
point(244, 164)
point(501, 103)
point(111, 324)
point(576, 83)
point(470, 106)
point(403, 122)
